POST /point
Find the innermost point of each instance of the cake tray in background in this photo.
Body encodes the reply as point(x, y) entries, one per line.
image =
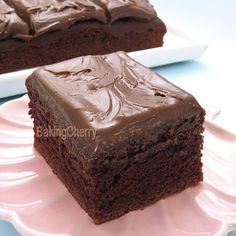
point(178, 47)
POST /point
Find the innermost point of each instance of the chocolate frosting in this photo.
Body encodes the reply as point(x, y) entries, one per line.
point(48, 15)
point(140, 9)
point(11, 25)
point(112, 93)
point(43, 16)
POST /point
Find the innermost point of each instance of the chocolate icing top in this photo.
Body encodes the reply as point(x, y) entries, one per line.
point(11, 25)
point(140, 9)
point(48, 15)
point(112, 93)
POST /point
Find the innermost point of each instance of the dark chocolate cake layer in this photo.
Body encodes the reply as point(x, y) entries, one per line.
point(87, 38)
point(147, 141)
point(41, 32)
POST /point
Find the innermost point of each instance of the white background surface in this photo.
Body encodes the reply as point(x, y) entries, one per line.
point(212, 78)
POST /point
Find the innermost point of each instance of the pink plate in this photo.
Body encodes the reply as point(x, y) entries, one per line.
point(36, 202)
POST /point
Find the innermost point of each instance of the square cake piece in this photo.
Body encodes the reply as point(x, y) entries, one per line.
point(118, 135)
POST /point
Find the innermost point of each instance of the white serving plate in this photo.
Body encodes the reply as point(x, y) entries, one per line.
point(178, 47)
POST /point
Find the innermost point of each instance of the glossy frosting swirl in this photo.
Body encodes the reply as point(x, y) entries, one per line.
point(140, 9)
point(48, 15)
point(11, 25)
point(43, 16)
point(110, 92)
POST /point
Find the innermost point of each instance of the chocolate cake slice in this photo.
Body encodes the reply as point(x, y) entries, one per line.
point(61, 30)
point(118, 135)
